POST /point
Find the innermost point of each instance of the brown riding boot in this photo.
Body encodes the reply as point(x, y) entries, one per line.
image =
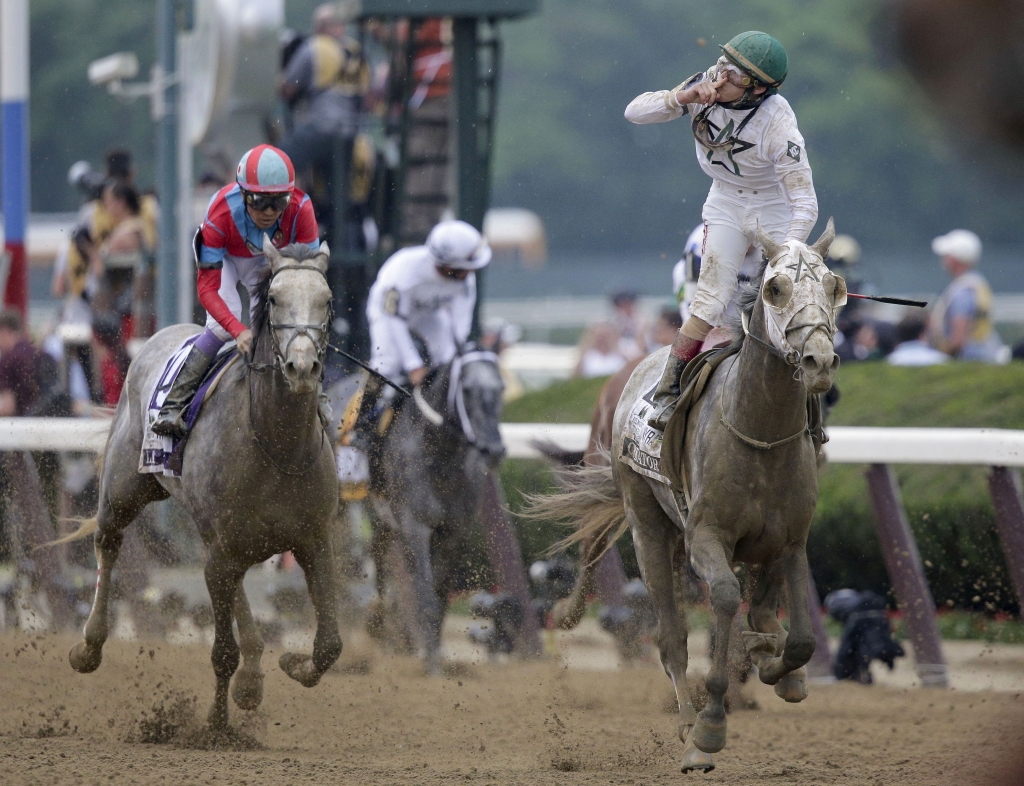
point(684, 349)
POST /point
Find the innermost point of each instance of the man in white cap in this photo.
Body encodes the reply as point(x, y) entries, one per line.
point(961, 322)
point(420, 311)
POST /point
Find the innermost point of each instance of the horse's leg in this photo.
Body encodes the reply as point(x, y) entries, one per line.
point(223, 576)
point(655, 540)
point(709, 560)
point(132, 492)
point(785, 671)
point(317, 563)
point(416, 548)
point(248, 690)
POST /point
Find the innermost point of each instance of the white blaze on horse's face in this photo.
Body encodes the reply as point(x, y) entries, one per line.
point(299, 302)
point(801, 297)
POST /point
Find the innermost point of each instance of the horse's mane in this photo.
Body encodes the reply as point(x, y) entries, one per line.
point(297, 252)
point(747, 300)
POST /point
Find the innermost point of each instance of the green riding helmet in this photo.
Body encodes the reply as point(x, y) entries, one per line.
point(759, 55)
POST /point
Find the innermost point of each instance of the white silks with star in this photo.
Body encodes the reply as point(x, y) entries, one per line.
point(767, 155)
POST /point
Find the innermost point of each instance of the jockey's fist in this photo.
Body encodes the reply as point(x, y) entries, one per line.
point(704, 92)
point(417, 375)
point(244, 341)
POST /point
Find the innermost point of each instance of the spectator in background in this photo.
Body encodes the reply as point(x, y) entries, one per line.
point(325, 81)
point(912, 347)
point(600, 355)
point(630, 325)
point(961, 322)
point(19, 368)
point(112, 358)
point(664, 331)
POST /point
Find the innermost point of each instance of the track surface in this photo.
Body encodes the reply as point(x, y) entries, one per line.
point(517, 723)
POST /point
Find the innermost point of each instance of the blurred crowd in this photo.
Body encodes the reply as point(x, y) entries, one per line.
point(957, 326)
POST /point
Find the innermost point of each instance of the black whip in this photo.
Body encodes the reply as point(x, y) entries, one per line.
point(896, 301)
point(361, 364)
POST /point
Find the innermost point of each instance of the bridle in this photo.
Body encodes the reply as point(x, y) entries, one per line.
point(789, 354)
point(307, 330)
point(456, 402)
point(779, 332)
point(278, 364)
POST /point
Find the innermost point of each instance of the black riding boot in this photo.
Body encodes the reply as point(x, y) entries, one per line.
point(171, 421)
point(684, 349)
point(363, 431)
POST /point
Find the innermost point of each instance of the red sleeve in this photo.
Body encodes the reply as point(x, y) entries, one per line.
point(208, 286)
point(306, 230)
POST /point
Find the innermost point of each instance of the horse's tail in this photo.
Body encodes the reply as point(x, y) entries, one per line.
point(589, 498)
point(86, 527)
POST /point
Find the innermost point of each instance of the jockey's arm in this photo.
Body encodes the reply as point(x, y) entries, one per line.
point(213, 249)
point(462, 312)
point(401, 341)
point(786, 149)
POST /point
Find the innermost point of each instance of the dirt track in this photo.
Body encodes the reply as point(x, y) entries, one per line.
point(492, 724)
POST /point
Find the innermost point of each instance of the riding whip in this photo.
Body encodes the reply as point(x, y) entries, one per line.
point(896, 301)
point(361, 364)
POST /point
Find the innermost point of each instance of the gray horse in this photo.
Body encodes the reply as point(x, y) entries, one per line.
point(427, 492)
point(258, 479)
point(748, 466)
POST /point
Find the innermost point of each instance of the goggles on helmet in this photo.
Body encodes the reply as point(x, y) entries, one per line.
point(261, 202)
point(724, 67)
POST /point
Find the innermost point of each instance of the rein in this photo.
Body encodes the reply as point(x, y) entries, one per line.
point(757, 443)
point(262, 368)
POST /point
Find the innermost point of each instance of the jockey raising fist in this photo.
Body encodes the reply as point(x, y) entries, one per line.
point(748, 142)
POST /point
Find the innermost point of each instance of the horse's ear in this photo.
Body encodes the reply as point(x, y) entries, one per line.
point(323, 257)
point(272, 254)
point(823, 242)
point(770, 247)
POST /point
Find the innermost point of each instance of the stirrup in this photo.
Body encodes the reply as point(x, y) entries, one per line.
point(660, 417)
point(167, 426)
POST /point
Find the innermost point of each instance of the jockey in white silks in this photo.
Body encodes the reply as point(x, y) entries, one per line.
point(420, 311)
point(748, 142)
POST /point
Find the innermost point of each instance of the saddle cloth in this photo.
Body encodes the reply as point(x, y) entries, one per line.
point(642, 445)
point(164, 455)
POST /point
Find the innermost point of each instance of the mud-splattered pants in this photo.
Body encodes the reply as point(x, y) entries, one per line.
point(730, 226)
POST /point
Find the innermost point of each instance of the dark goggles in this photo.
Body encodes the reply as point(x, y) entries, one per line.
point(261, 202)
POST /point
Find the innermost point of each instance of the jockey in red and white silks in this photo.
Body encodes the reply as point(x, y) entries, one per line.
point(262, 202)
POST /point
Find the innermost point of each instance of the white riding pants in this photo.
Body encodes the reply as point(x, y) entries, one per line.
point(730, 228)
point(236, 269)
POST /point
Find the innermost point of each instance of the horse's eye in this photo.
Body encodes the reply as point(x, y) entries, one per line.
point(272, 301)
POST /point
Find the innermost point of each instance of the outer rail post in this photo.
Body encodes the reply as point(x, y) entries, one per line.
point(1005, 487)
point(507, 563)
point(906, 572)
point(820, 667)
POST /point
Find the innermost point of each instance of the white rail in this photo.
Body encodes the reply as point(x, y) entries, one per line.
point(847, 445)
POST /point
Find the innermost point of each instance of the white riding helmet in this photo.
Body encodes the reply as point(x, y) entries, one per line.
point(458, 245)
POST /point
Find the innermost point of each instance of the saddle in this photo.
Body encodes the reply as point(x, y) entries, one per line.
point(164, 455)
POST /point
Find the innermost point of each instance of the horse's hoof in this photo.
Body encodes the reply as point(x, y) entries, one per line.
point(85, 659)
point(300, 668)
point(696, 759)
point(248, 689)
point(792, 687)
point(708, 735)
point(684, 731)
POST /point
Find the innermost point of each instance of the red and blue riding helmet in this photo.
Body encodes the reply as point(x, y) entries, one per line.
point(266, 170)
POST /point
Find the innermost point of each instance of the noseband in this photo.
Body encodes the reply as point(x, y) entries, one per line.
point(306, 330)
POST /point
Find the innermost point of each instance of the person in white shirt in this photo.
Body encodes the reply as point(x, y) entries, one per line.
point(420, 310)
point(748, 142)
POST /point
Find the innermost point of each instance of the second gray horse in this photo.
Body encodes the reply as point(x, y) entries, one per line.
point(427, 492)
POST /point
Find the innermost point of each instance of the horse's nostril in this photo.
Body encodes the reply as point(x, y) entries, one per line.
point(317, 367)
point(835, 362)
